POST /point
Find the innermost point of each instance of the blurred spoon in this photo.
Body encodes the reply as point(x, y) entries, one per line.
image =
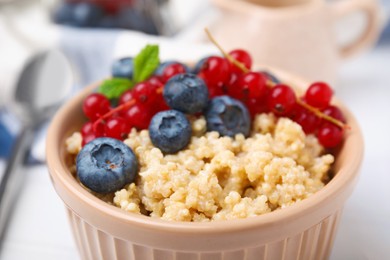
point(43, 85)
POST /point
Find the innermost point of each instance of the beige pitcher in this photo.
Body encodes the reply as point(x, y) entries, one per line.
point(296, 35)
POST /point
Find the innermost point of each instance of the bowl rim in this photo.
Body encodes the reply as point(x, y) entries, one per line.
point(59, 173)
point(248, 8)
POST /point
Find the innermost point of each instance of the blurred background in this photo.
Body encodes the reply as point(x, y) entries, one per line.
point(80, 39)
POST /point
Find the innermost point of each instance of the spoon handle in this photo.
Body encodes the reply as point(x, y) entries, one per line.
point(13, 178)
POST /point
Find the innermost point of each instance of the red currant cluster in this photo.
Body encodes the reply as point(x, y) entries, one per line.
point(260, 93)
point(136, 107)
point(224, 78)
point(317, 116)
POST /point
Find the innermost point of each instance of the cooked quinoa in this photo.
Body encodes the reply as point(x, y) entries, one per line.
point(220, 178)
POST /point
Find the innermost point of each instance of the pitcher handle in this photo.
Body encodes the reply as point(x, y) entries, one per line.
point(372, 28)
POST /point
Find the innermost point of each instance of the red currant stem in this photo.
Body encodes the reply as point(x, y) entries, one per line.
point(225, 54)
point(119, 108)
point(128, 104)
point(314, 110)
point(159, 90)
point(318, 113)
point(271, 84)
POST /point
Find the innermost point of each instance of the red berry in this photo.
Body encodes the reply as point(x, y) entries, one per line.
point(318, 95)
point(217, 90)
point(117, 128)
point(334, 112)
point(215, 71)
point(126, 96)
point(233, 79)
point(88, 138)
point(281, 100)
point(146, 93)
point(156, 80)
point(99, 130)
point(257, 106)
point(237, 93)
point(88, 129)
point(95, 106)
point(112, 7)
point(253, 85)
point(161, 105)
point(306, 119)
point(241, 56)
point(173, 70)
point(330, 135)
point(232, 88)
point(139, 116)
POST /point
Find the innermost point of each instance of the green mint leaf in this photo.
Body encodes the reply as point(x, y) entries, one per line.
point(145, 63)
point(113, 88)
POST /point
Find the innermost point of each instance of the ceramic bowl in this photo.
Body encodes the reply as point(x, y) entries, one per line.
point(305, 230)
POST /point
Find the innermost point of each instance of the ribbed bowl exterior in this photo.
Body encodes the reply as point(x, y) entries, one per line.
point(314, 243)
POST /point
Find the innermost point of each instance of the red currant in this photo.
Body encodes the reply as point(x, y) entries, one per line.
point(241, 56)
point(281, 100)
point(334, 112)
point(139, 116)
point(88, 138)
point(96, 105)
point(318, 95)
point(126, 96)
point(99, 130)
point(237, 93)
point(253, 84)
point(146, 93)
point(330, 135)
point(232, 88)
point(306, 119)
point(112, 7)
point(218, 90)
point(257, 106)
point(161, 105)
point(215, 71)
point(158, 102)
point(233, 79)
point(173, 70)
point(117, 128)
point(156, 80)
point(88, 129)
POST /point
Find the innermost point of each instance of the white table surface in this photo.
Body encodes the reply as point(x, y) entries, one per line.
point(39, 228)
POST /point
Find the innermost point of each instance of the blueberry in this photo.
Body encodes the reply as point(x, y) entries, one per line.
point(271, 77)
point(227, 116)
point(105, 165)
point(187, 93)
point(135, 19)
point(159, 71)
point(64, 14)
point(199, 65)
point(87, 14)
point(108, 21)
point(123, 68)
point(170, 131)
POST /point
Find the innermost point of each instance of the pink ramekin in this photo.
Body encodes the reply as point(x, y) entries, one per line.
point(305, 230)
